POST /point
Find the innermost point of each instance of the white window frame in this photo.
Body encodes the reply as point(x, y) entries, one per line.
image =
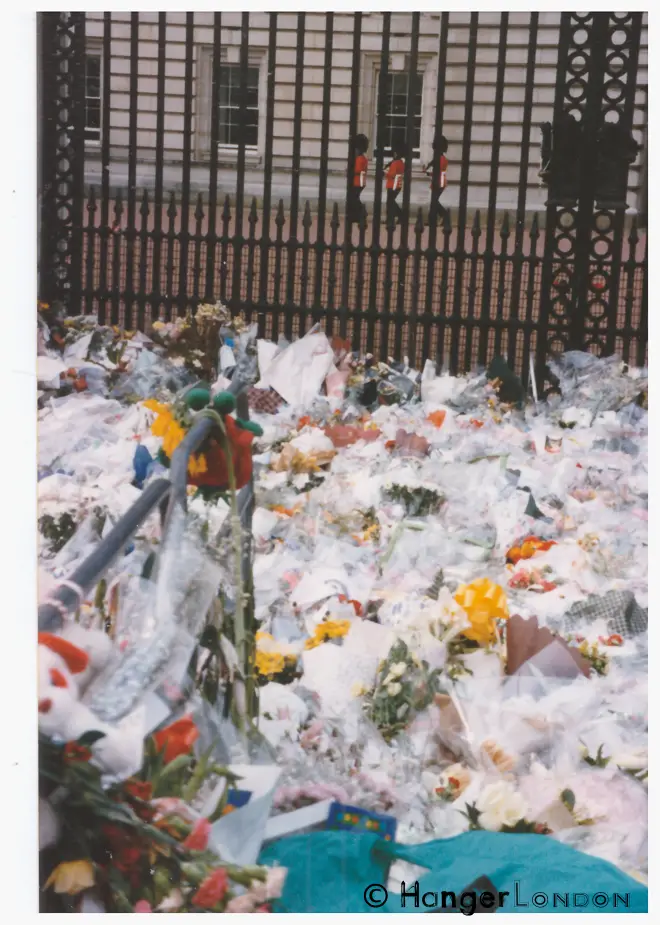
point(427, 66)
point(94, 49)
point(229, 55)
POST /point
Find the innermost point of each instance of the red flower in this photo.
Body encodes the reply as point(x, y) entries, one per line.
point(212, 890)
point(454, 782)
point(199, 837)
point(140, 789)
point(126, 859)
point(357, 606)
point(75, 752)
point(177, 739)
point(263, 908)
point(45, 705)
point(614, 640)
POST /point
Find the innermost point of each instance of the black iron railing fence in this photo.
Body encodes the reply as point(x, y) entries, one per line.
point(455, 286)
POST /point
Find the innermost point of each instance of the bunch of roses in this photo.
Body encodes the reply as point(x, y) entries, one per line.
point(138, 845)
point(501, 808)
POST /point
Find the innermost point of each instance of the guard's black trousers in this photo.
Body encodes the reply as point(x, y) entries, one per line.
point(356, 209)
point(394, 210)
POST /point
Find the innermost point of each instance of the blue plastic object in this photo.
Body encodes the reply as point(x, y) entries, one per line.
point(142, 465)
point(340, 871)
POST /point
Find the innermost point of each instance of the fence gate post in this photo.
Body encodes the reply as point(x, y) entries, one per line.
point(61, 180)
point(585, 156)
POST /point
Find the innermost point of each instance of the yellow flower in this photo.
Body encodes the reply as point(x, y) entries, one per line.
point(72, 877)
point(483, 602)
point(331, 629)
point(269, 663)
point(173, 437)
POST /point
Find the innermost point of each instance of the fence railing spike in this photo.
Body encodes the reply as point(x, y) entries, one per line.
point(199, 208)
point(505, 231)
point(534, 230)
point(144, 204)
point(171, 209)
point(280, 218)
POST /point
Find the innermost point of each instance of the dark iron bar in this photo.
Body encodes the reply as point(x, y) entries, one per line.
point(239, 240)
point(404, 245)
point(359, 281)
point(197, 271)
point(131, 231)
point(116, 259)
point(319, 250)
point(144, 258)
point(304, 272)
point(472, 294)
point(629, 270)
point(416, 279)
point(292, 246)
point(211, 237)
point(378, 143)
point(455, 320)
point(332, 272)
point(279, 244)
point(516, 283)
point(268, 173)
point(532, 265)
point(184, 237)
point(224, 249)
point(352, 130)
point(171, 241)
point(444, 294)
point(504, 236)
point(105, 168)
point(91, 246)
point(159, 196)
point(253, 218)
point(435, 182)
point(489, 256)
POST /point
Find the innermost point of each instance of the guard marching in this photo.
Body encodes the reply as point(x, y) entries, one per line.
point(356, 209)
point(440, 147)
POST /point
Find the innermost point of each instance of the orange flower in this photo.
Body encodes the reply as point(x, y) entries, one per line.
point(177, 739)
point(304, 421)
point(528, 549)
point(72, 877)
point(212, 890)
point(437, 418)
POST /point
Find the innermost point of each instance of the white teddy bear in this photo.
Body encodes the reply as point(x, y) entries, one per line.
point(67, 664)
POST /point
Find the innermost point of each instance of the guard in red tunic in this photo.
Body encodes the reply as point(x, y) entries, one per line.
point(394, 183)
point(360, 165)
point(440, 147)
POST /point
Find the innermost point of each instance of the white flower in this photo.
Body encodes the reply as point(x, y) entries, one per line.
point(499, 805)
point(394, 689)
point(398, 669)
point(358, 690)
point(172, 902)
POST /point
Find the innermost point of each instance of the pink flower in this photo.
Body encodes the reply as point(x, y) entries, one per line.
point(142, 906)
point(243, 903)
point(199, 837)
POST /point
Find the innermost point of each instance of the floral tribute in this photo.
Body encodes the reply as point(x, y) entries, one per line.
point(404, 686)
point(138, 845)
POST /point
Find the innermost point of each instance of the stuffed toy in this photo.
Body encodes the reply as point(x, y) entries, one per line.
point(67, 664)
point(208, 467)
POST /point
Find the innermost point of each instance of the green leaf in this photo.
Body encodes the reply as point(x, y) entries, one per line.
point(89, 738)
